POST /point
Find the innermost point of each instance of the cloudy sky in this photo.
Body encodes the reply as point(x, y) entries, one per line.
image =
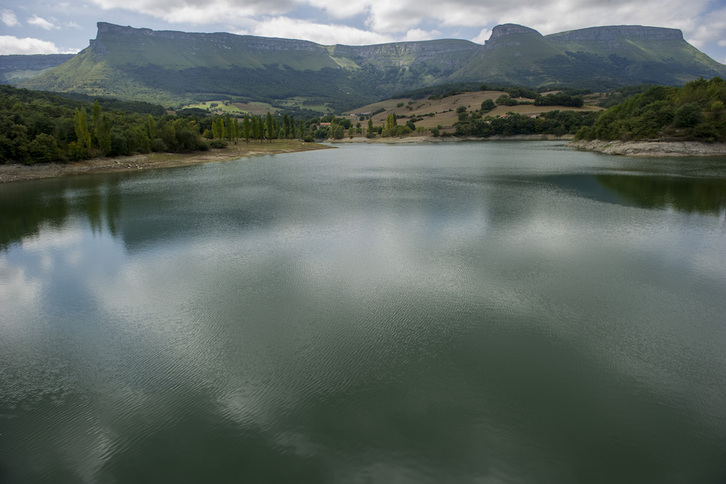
point(41, 26)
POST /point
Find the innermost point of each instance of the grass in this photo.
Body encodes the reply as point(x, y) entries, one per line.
point(444, 109)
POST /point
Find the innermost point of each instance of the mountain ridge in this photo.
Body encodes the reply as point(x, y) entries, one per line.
point(175, 67)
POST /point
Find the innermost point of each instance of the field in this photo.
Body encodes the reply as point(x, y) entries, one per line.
point(444, 109)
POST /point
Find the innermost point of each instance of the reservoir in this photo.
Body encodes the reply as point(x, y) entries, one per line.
point(497, 312)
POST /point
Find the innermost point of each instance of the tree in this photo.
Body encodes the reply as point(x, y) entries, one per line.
point(687, 116)
point(44, 149)
point(103, 134)
point(151, 126)
point(487, 105)
point(246, 128)
point(96, 112)
point(391, 121)
point(337, 131)
point(270, 122)
point(83, 136)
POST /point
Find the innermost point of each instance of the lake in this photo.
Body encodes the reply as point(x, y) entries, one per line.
point(497, 312)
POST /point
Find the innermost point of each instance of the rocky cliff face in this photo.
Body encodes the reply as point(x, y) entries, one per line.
point(613, 34)
point(178, 66)
point(506, 30)
point(509, 35)
point(108, 31)
point(450, 53)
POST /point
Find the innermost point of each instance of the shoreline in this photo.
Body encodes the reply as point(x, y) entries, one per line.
point(449, 139)
point(651, 149)
point(18, 172)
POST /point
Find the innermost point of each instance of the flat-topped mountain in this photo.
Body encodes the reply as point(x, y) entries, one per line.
point(594, 57)
point(176, 67)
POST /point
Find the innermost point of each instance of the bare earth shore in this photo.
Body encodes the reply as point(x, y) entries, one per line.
point(652, 148)
point(449, 139)
point(18, 172)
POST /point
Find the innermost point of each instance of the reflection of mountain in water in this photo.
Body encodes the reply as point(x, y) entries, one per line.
point(683, 194)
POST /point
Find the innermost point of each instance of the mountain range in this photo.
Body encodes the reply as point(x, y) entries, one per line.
point(15, 68)
point(176, 68)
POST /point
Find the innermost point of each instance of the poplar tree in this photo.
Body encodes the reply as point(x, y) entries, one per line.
point(270, 126)
point(246, 128)
point(82, 134)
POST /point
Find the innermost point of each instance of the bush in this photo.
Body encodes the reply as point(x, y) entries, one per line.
point(158, 145)
point(487, 105)
point(687, 116)
point(218, 144)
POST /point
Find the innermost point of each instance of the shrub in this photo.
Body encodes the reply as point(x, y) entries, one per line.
point(218, 143)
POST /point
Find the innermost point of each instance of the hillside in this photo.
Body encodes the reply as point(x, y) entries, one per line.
point(431, 112)
point(595, 57)
point(15, 68)
point(176, 68)
point(693, 112)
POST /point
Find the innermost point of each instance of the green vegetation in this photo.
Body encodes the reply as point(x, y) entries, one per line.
point(559, 99)
point(620, 94)
point(600, 58)
point(15, 68)
point(177, 69)
point(44, 127)
point(37, 127)
point(692, 112)
point(558, 123)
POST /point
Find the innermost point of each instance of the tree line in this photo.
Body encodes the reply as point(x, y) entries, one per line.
point(44, 127)
point(692, 112)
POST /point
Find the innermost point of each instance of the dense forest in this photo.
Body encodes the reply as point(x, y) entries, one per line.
point(692, 112)
point(45, 127)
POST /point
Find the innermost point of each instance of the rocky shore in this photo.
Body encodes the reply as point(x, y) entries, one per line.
point(652, 148)
point(448, 139)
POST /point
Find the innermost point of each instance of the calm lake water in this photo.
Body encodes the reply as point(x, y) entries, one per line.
point(494, 312)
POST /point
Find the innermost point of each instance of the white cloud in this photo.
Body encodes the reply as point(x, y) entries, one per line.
point(320, 33)
point(374, 21)
point(41, 22)
point(17, 288)
point(14, 45)
point(419, 34)
point(708, 28)
point(235, 12)
point(343, 9)
point(483, 36)
point(8, 18)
